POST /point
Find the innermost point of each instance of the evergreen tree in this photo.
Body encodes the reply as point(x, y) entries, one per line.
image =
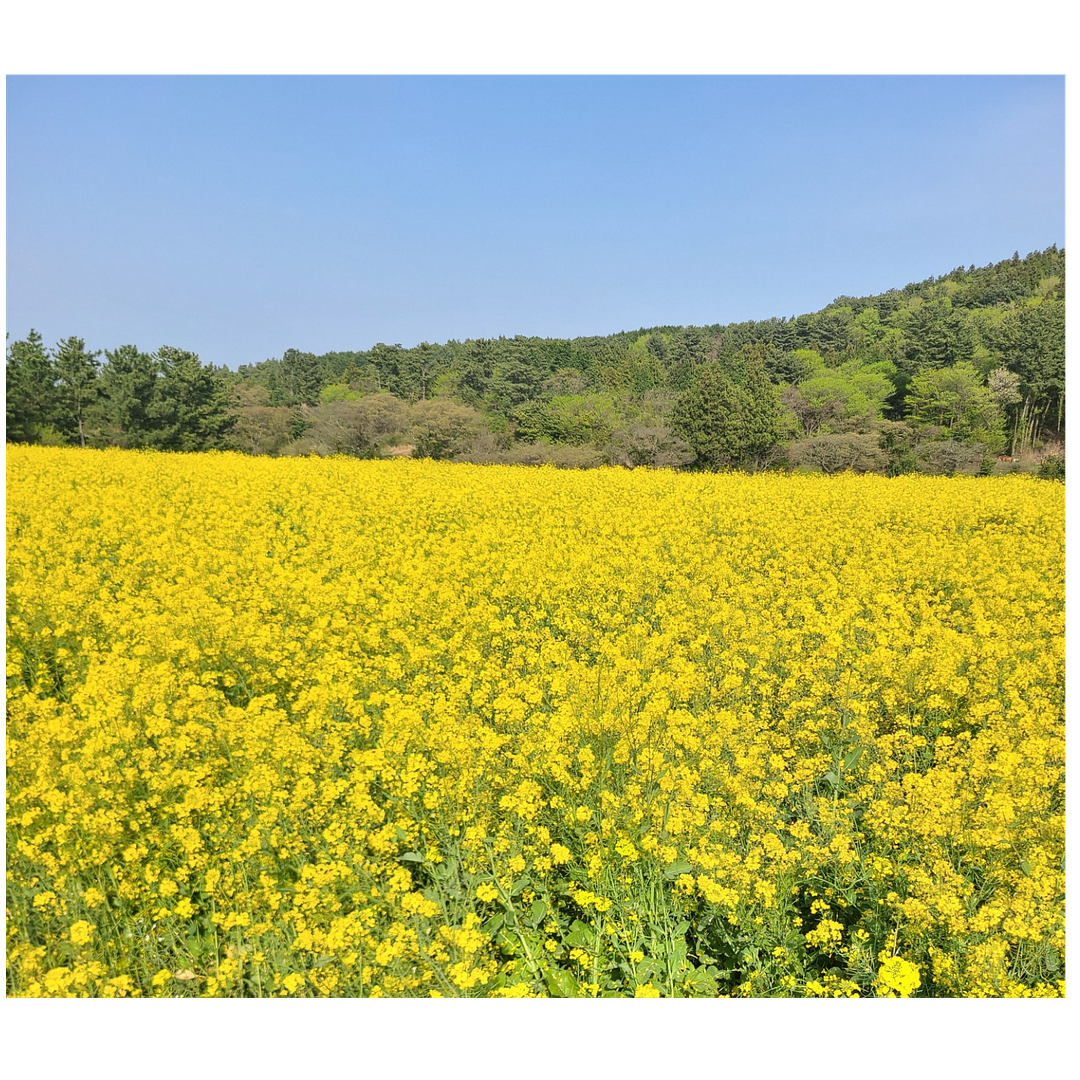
point(761, 409)
point(419, 368)
point(122, 416)
point(189, 408)
point(937, 337)
point(832, 330)
point(518, 373)
point(474, 367)
point(76, 381)
point(31, 390)
point(302, 377)
point(1039, 360)
point(711, 418)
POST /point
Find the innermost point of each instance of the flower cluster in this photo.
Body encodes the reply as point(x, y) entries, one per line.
point(340, 727)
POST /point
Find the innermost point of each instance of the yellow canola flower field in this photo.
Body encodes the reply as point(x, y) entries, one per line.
point(404, 728)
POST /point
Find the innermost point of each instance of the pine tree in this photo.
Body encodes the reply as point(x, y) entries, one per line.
point(189, 410)
point(122, 416)
point(32, 399)
point(302, 376)
point(76, 380)
point(711, 417)
point(761, 409)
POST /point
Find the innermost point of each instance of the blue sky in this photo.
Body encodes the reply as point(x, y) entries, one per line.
point(240, 216)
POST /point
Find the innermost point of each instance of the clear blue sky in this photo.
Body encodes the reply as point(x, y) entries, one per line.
point(240, 216)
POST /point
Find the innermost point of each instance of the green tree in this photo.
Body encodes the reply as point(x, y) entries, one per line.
point(517, 374)
point(852, 395)
point(760, 409)
point(189, 410)
point(32, 400)
point(711, 418)
point(443, 429)
point(1040, 363)
point(817, 403)
point(338, 392)
point(573, 419)
point(688, 352)
point(301, 376)
point(936, 337)
point(955, 400)
point(418, 369)
point(474, 368)
point(728, 425)
point(121, 416)
point(832, 330)
point(76, 381)
point(788, 367)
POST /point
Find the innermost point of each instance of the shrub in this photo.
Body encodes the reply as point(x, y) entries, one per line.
point(1052, 467)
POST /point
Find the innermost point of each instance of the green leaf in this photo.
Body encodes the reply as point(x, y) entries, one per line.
point(560, 982)
point(832, 780)
point(676, 869)
point(701, 981)
point(522, 882)
point(537, 912)
point(1026, 867)
point(580, 936)
point(647, 970)
point(508, 942)
point(532, 940)
point(853, 758)
point(680, 930)
point(411, 856)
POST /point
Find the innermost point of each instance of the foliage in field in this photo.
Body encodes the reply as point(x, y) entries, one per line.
point(409, 728)
point(937, 377)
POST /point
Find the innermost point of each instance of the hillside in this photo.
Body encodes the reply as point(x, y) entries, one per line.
point(947, 374)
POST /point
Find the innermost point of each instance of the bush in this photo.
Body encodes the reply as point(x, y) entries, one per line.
point(945, 457)
point(442, 429)
point(485, 451)
point(1052, 467)
point(839, 453)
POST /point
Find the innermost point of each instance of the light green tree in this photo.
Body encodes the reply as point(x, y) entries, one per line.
point(956, 400)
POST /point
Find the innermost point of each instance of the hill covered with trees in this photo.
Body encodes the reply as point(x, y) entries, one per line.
point(944, 375)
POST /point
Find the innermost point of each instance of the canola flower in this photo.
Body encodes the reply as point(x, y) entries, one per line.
point(899, 975)
point(404, 728)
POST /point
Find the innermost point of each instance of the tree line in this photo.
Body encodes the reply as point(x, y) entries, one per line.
point(948, 374)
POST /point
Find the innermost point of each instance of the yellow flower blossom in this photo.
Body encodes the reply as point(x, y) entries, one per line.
point(899, 975)
point(277, 725)
point(80, 932)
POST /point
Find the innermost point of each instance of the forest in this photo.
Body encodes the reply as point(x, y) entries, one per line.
point(962, 373)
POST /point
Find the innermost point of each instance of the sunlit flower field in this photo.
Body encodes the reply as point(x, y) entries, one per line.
point(403, 728)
